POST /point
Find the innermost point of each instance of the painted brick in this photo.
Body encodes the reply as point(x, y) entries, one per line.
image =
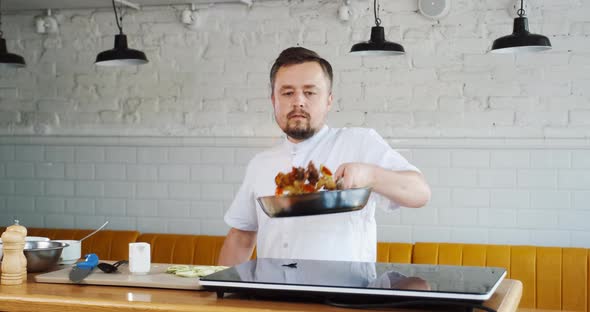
point(110, 207)
point(554, 200)
point(394, 233)
point(28, 153)
point(142, 208)
point(59, 188)
point(537, 219)
point(551, 159)
point(207, 209)
point(173, 173)
point(215, 227)
point(431, 234)
point(470, 159)
point(28, 187)
point(19, 170)
point(419, 216)
point(581, 200)
point(477, 198)
point(80, 206)
point(574, 179)
point(6, 152)
point(20, 205)
point(119, 189)
point(206, 173)
point(80, 171)
point(141, 172)
point(184, 155)
point(458, 217)
point(470, 235)
point(510, 199)
point(152, 155)
point(47, 205)
point(457, 177)
point(110, 172)
point(184, 191)
point(510, 159)
point(152, 190)
point(538, 178)
point(550, 238)
point(89, 154)
point(497, 218)
point(497, 178)
point(121, 154)
point(580, 160)
point(6, 187)
point(50, 170)
point(174, 208)
point(59, 154)
point(59, 221)
point(509, 237)
point(431, 158)
point(89, 188)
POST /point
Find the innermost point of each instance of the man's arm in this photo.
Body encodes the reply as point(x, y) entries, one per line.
point(406, 188)
point(237, 247)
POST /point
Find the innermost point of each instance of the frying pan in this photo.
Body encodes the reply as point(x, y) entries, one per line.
point(323, 202)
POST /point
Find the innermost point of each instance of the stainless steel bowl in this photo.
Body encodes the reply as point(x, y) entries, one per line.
point(322, 202)
point(42, 256)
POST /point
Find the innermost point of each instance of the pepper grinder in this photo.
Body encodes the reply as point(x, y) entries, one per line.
point(13, 243)
point(16, 227)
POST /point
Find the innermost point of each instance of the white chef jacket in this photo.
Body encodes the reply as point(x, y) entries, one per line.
point(347, 236)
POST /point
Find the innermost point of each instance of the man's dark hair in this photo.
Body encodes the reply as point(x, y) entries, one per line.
point(299, 55)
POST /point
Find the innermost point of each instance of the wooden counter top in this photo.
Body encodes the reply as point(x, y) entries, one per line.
point(40, 297)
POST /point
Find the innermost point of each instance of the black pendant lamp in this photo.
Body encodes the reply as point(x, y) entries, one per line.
point(377, 45)
point(521, 40)
point(8, 59)
point(121, 55)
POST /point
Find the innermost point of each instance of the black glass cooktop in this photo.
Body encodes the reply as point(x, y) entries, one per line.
point(363, 278)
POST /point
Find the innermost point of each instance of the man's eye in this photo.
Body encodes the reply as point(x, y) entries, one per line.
point(309, 93)
point(288, 93)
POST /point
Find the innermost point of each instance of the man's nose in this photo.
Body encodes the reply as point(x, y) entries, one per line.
point(299, 99)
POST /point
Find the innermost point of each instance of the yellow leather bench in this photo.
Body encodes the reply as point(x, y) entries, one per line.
point(107, 244)
point(553, 278)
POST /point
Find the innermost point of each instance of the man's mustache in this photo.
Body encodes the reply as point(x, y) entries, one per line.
point(293, 113)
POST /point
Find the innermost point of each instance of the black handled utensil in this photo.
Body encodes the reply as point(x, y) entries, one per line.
point(111, 268)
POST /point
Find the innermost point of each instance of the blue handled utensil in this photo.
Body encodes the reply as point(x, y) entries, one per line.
point(83, 269)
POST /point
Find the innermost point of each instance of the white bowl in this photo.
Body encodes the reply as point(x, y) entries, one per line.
point(71, 253)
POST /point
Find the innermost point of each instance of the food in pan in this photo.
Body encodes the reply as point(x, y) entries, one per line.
point(304, 180)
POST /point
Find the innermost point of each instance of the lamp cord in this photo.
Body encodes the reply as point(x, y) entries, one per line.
point(521, 12)
point(117, 18)
point(376, 11)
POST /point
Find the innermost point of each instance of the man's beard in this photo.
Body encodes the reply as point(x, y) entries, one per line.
point(300, 130)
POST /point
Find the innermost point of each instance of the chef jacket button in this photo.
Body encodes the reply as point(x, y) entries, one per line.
point(285, 245)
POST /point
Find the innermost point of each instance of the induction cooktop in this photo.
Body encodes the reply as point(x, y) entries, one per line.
point(343, 279)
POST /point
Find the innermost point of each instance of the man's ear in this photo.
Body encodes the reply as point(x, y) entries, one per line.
point(330, 100)
point(272, 99)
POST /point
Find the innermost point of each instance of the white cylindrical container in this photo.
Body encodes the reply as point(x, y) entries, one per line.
point(139, 258)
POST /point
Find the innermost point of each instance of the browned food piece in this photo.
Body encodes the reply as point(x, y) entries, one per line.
point(301, 180)
point(313, 176)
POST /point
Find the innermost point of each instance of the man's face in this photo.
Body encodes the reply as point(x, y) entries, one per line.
point(301, 99)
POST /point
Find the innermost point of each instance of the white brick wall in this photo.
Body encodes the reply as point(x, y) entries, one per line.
point(502, 139)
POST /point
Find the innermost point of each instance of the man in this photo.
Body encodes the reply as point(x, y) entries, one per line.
point(301, 83)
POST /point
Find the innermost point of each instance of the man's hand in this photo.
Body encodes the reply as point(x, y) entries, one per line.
point(355, 175)
point(407, 188)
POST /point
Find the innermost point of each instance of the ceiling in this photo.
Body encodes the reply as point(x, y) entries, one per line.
point(26, 5)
